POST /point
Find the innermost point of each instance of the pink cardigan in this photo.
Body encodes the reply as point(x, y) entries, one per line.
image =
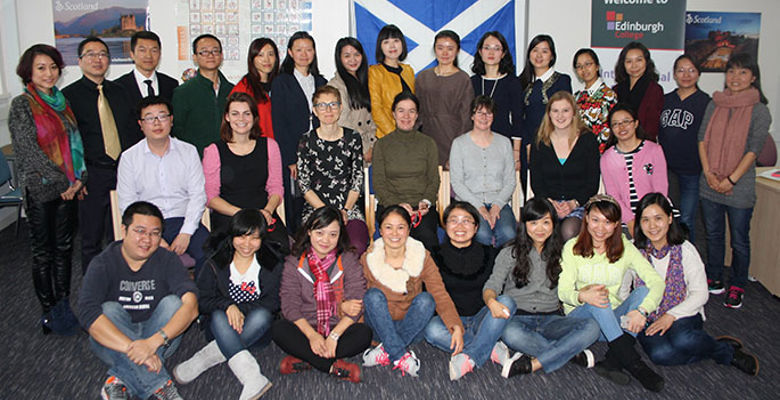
point(649, 175)
point(211, 169)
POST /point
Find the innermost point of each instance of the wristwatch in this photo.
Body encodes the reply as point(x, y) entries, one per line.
point(164, 336)
point(335, 336)
point(643, 312)
point(427, 202)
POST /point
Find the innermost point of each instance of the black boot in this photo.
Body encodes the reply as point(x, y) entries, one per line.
point(611, 368)
point(631, 361)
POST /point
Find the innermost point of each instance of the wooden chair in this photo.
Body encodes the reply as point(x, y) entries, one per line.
point(444, 193)
point(517, 201)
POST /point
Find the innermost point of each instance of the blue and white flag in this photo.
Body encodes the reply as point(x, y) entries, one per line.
point(420, 20)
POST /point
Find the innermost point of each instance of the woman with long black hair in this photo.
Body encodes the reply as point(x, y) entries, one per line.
point(262, 67)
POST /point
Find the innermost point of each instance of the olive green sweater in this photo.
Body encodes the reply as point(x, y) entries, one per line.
point(405, 168)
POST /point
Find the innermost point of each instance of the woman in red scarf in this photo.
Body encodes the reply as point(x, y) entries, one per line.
point(322, 291)
point(733, 131)
point(50, 159)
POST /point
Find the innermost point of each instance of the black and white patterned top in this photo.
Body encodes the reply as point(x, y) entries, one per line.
point(244, 288)
point(331, 169)
point(629, 157)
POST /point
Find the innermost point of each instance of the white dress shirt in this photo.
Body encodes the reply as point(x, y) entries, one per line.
point(139, 80)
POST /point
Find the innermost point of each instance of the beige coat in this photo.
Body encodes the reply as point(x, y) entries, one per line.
point(359, 120)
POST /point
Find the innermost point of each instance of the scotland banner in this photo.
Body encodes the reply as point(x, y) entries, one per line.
point(421, 20)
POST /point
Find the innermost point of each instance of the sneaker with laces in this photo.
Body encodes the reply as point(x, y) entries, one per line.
point(519, 364)
point(375, 356)
point(292, 365)
point(734, 297)
point(715, 287)
point(408, 364)
point(745, 362)
point(460, 364)
point(585, 359)
point(114, 389)
point(346, 371)
point(167, 392)
point(500, 353)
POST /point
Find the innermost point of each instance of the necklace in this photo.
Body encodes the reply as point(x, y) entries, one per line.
point(493, 90)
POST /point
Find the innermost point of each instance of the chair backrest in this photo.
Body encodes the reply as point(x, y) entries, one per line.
point(445, 192)
point(517, 196)
point(5, 170)
point(370, 203)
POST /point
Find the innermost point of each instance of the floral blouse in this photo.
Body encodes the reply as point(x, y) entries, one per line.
point(331, 169)
point(594, 111)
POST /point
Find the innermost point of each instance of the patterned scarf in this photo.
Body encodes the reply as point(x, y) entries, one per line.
point(58, 134)
point(323, 290)
point(676, 290)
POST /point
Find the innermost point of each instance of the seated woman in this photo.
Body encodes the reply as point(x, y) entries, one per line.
point(239, 292)
point(465, 265)
point(397, 309)
point(330, 166)
point(592, 270)
point(482, 171)
point(322, 291)
point(526, 274)
point(675, 335)
point(564, 163)
point(243, 169)
point(406, 171)
point(631, 166)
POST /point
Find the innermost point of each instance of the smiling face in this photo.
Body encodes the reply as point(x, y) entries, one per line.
point(45, 73)
point(146, 56)
point(483, 119)
point(599, 227)
point(655, 224)
point(623, 126)
point(635, 63)
point(240, 118)
point(685, 74)
point(394, 231)
point(247, 245)
point(392, 49)
point(460, 227)
point(541, 56)
point(156, 122)
point(351, 59)
point(264, 62)
point(446, 50)
point(208, 54)
point(302, 53)
point(491, 51)
point(142, 237)
point(561, 114)
point(327, 109)
point(739, 79)
point(587, 69)
point(325, 239)
point(540, 230)
point(94, 61)
point(405, 114)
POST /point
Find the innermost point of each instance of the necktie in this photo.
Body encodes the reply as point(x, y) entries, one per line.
point(150, 91)
point(108, 126)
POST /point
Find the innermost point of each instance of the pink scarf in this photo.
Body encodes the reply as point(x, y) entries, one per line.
point(727, 131)
point(323, 290)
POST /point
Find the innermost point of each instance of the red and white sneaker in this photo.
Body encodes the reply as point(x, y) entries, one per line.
point(460, 364)
point(500, 353)
point(408, 364)
point(375, 356)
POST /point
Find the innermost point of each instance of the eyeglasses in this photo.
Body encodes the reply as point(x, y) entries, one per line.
point(332, 105)
point(484, 114)
point(620, 124)
point(454, 221)
point(492, 48)
point(584, 65)
point(154, 234)
point(684, 70)
point(151, 119)
point(92, 55)
point(213, 52)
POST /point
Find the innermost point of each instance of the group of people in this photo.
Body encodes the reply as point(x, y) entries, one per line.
point(545, 284)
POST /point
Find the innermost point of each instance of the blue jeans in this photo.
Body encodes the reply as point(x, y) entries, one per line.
point(689, 201)
point(482, 331)
point(172, 227)
point(552, 339)
point(684, 343)
point(397, 335)
point(138, 380)
point(504, 230)
point(739, 227)
point(230, 342)
point(609, 319)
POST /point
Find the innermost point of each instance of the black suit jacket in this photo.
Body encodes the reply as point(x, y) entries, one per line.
point(290, 115)
point(165, 83)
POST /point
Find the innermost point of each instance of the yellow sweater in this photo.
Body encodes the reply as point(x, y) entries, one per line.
point(383, 86)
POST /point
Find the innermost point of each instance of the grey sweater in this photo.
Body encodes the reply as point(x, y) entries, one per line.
point(534, 297)
point(744, 192)
point(482, 175)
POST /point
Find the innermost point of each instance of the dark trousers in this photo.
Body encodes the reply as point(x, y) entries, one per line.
point(684, 343)
point(293, 206)
point(95, 213)
point(289, 338)
point(171, 228)
point(52, 224)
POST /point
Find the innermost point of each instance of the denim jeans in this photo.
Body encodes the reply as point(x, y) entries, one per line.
point(482, 331)
point(684, 343)
point(138, 380)
point(739, 227)
point(609, 319)
point(397, 335)
point(688, 202)
point(504, 230)
point(552, 339)
point(230, 342)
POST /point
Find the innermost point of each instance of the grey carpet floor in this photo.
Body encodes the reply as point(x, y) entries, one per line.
point(34, 366)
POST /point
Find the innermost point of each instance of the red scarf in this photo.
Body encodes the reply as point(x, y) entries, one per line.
point(727, 131)
point(323, 290)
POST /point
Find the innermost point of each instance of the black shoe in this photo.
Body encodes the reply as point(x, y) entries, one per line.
point(617, 376)
point(734, 297)
point(585, 359)
point(518, 364)
point(715, 287)
point(745, 362)
point(646, 376)
point(624, 351)
point(730, 340)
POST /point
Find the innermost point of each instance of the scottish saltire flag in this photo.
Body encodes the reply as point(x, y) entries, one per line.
point(419, 20)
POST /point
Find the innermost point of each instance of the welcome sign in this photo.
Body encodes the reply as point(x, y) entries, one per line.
point(658, 24)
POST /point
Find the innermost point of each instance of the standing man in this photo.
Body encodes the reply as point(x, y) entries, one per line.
point(105, 119)
point(135, 301)
point(167, 173)
point(199, 103)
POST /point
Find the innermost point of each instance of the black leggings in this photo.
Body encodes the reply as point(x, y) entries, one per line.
point(289, 338)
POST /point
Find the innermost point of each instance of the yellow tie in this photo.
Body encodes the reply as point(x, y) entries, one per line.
point(108, 126)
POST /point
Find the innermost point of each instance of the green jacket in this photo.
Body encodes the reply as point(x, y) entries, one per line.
point(197, 110)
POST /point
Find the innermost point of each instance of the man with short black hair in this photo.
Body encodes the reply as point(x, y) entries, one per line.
point(135, 301)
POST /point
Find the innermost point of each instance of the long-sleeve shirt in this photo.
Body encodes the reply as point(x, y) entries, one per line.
point(405, 168)
point(536, 296)
point(212, 171)
point(464, 272)
point(173, 182)
point(578, 272)
point(198, 110)
point(482, 175)
point(577, 178)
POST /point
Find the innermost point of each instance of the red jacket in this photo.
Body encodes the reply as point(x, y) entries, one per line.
point(264, 109)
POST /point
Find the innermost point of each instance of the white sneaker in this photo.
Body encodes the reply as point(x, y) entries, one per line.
point(375, 356)
point(500, 353)
point(408, 364)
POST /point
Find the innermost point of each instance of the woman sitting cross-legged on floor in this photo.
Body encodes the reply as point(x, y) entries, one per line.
point(675, 334)
point(397, 309)
point(593, 266)
point(239, 291)
point(465, 265)
point(526, 274)
point(322, 300)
